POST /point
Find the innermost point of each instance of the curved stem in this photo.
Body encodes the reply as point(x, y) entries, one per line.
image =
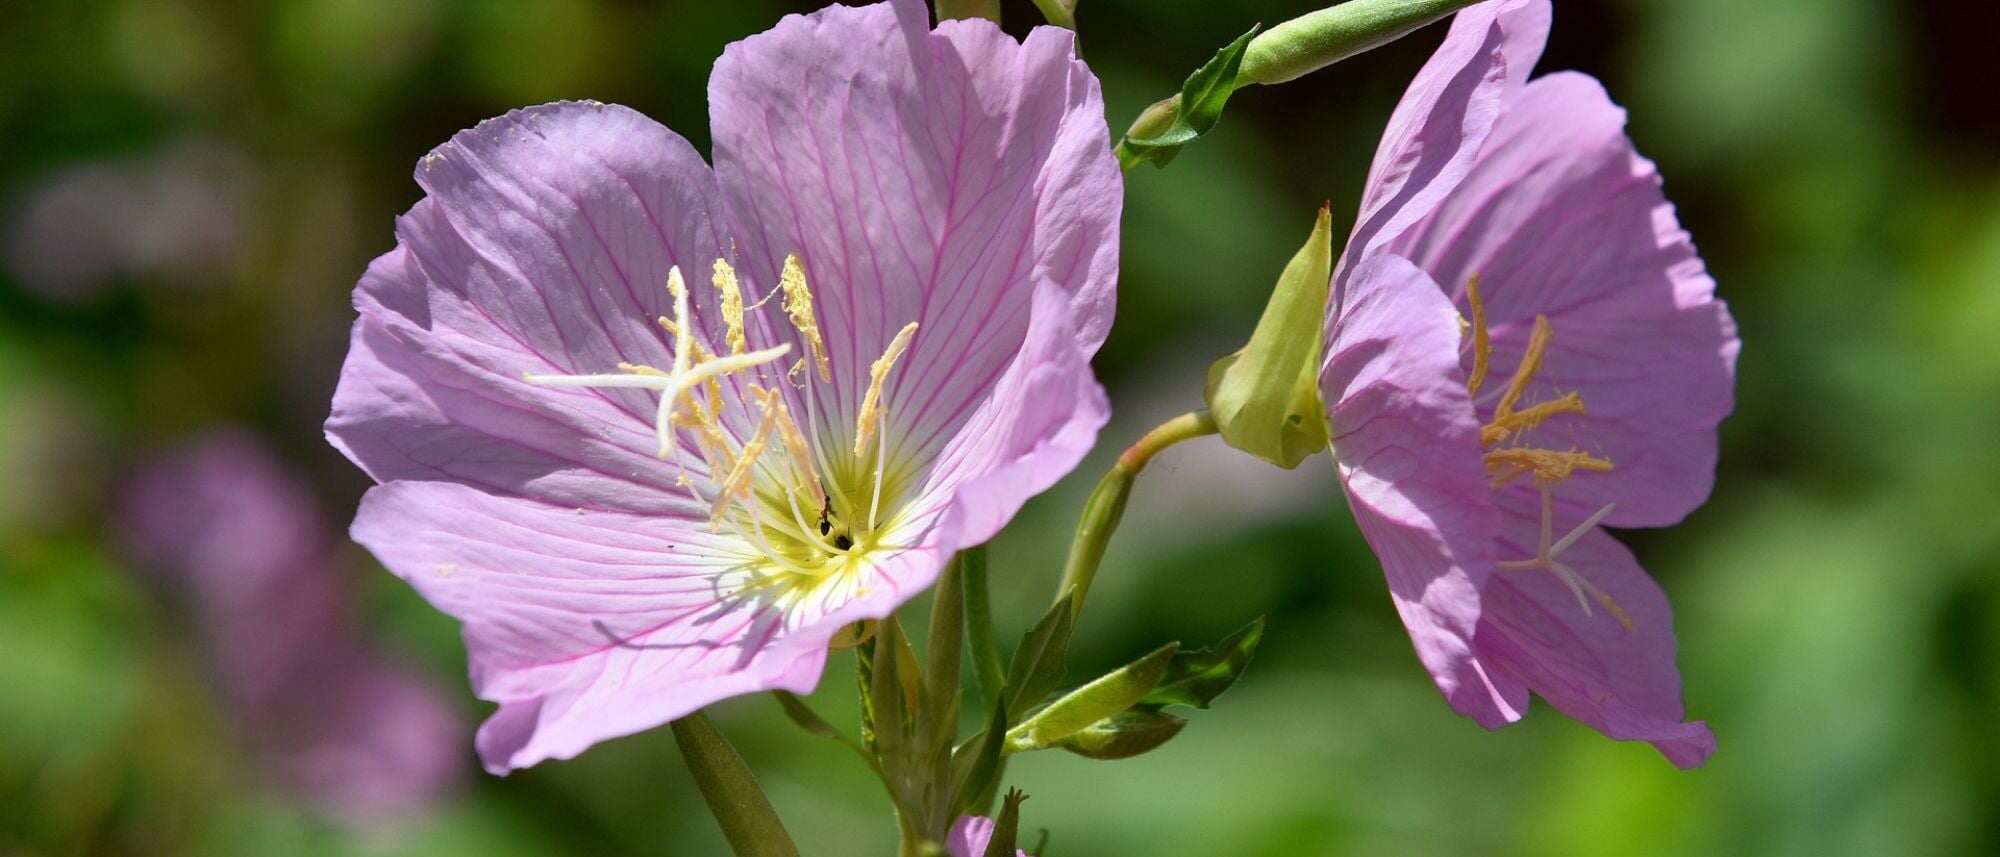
point(748, 822)
point(1106, 505)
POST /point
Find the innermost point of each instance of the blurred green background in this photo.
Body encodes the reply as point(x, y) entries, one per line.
point(189, 189)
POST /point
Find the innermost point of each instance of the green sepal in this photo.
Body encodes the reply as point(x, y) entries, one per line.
point(1196, 678)
point(1265, 398)
point(1200, 107)
point(1006, 826)
point(1127, 734)
point(1110, 694)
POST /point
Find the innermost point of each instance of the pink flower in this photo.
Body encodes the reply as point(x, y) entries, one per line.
point(240, 540)
point(654, 433)
point(1483, 442)
point(970, 836)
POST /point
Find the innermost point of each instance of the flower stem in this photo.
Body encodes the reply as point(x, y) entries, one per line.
point(1107, 504)
point(748, 822)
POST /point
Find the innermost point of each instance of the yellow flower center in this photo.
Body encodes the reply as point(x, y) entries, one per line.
point(804, 514)
point(1509, 456)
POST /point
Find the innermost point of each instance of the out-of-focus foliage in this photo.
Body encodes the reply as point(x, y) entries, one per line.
point(189, 188)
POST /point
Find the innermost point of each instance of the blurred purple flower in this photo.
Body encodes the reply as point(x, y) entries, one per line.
point(1483, 497)
point(925, 224)
point(970, 835)
point(225, 525)
point(174, 216)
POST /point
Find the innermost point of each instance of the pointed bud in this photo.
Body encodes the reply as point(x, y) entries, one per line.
point(1265, 398)
point(1319, 39)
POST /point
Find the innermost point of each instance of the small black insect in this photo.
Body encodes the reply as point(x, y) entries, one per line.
point(825, 510)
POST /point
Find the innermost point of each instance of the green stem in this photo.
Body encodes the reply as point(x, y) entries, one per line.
point(1107, 504)
point(951, 9)
point(1059, 12)
point(979, 626)
point(748, 822)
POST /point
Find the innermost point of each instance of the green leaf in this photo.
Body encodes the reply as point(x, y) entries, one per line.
point(748, 822)
point(1200, 107)
point(979, 625)
point(943, 646)
point(976, 763)
point(1108, 695)
point(1196, 678)
point(1039, 663)
point(1124, 735)
point(885, 693)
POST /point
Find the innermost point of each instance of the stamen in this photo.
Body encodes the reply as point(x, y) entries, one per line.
point(871, 402)
point(1482, 341)
point(732, 305)
point(799, 306)
point(1531, 362)
point(737, 484)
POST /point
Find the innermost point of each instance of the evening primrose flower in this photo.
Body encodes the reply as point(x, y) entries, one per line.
point(654, 434)
point(1523, 346)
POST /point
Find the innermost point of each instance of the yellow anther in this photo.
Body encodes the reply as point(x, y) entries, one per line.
point(871, 402)
point(800, 451)
point(732, 305)
point(636, 369)
point(1531, 362)
point(1482, 340)
point(799, 307)
point(1512, 423)
point(736, 486)
point(1548, 465)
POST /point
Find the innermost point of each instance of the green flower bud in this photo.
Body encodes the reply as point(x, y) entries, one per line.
point(1319, 39)
point(1265, 398)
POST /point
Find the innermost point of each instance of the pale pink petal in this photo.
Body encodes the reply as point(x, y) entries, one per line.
point(583, 626)
point(939, 178)
point(1443, 118)
point(1560, 216)
point(1620, 680)
point(1407, 446)
point(543, 247)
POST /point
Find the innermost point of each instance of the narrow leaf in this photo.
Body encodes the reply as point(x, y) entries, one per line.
point(1196, 678)
point(1040, 661)
point(977, 762)
point(1200, 107)
point(944, 647)
point(748, 822)
point(1108, 695)
point(1124, 735)
point(979, 625)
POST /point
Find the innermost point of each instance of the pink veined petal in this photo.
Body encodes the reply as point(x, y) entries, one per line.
point(583, 626)
point(1443, 118)
point(970, 835)
point(543, 247)
point(1560, 216)
point(921, 177)
point(1621, 681)
point(1407, 446)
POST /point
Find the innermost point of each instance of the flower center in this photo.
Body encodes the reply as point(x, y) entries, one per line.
point(804, 514)
point(1509, 455)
